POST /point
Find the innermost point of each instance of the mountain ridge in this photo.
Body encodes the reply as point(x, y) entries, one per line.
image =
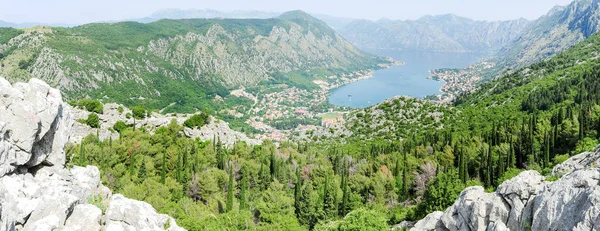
point(171, 60)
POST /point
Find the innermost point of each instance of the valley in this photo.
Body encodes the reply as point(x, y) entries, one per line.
point(256, 120)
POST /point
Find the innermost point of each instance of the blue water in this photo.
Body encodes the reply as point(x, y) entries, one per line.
point(409, 79)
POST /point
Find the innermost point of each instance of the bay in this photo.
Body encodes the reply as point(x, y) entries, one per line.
point(409, 79)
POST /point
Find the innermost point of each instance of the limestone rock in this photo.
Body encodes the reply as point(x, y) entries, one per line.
point(528, 202)
point(84, 217)
point(216, 128)
point(37, 192)
point(579, 161)
point(34, 126)
point(430, 222)
point(127, 214)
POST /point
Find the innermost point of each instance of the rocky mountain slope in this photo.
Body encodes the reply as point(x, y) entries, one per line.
point(561, 28)
point(37, 191)
point(186, 62)
point(433, 33)
point(529, 201)
point(214, 129)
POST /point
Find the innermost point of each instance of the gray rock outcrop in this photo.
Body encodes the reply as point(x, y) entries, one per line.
point(215, 128)
point(37, 192)
point(529, 202)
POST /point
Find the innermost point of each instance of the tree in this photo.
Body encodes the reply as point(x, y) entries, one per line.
point(345, 191)
point(244, 189)
point(307, 206)
point(163, 172)
point(230, 189)
point(142, 172)
point(441, 193)
point(329, 199)
point(297, 189)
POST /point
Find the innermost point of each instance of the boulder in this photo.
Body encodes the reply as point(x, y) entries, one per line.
point(431, 222)
point(37, 192)
point(84, 217)
point(576, 162)
point(529, 202)
point(34, 126)
point(127, 214)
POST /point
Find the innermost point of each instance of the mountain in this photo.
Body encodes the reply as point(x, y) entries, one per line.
point(206, 13)
point(333, 21)
point(32, 24)
point(433, 33)
point(187, 62)
point(561, 28)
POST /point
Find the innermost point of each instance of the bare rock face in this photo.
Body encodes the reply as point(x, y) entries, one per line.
point(34, 126)
point(127, 214)
point(37, 192)
point(529, 202)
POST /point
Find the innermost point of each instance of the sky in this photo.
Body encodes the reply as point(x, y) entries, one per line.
point(85, 11)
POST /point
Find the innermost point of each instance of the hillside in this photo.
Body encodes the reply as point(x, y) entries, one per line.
point(433, 33)
point(186, 62)
point(561, 28)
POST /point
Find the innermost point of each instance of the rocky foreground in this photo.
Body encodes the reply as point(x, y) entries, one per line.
point(37, 191)
point(530, 201)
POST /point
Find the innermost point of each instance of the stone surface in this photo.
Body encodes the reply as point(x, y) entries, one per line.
point(37, 192)
point(84, 217)
point(216, 128)
point(127, 214)
point(529, 202)
point(430, 222)
point(34, 126)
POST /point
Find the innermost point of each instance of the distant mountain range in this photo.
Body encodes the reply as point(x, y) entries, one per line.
point(560, 29)
point(32, 24)
point(433, 33)
point(188, 61)
point(333, 21)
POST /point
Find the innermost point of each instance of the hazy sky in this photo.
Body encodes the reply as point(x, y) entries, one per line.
point(84, 11)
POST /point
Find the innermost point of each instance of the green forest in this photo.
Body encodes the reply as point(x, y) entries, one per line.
point(532, 118)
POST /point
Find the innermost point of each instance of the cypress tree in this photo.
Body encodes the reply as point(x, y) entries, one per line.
point(345, 190)
point(329, 199)
point(230, 189)
point(131, 169)
point(405, 177)
point(142, 173)
point(265, 177)
point(307, 207)
point(297, 190)
point(163, 172)
point(178, 168)
point(244, 189)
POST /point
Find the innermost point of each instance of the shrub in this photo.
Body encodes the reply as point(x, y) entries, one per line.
point(93, 120)
point(197, 120)
point(120, 126)
point(90, 105)
point(139, 112)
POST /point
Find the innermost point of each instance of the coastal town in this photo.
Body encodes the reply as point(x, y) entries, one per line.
point(281, 111)
point(458, 81)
